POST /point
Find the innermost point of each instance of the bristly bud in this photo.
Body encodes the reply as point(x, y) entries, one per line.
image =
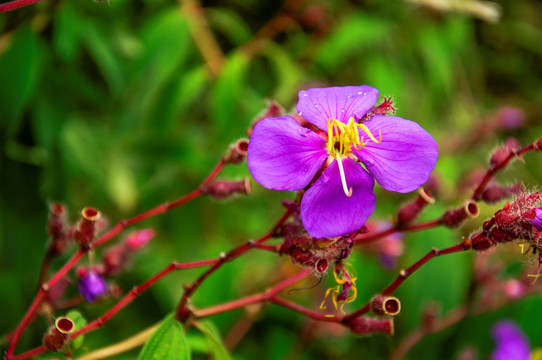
point(496, 193)
point(384, 108)
point(410, 211)
point(57, 335)
point(57, 228)
point(91, 286)
point(537, 145)
point(519, 220)
point(454, 217)
point(237, 153)
point(221, 189)
point(86, 229)
point(364, 326)
point(383, 305)
point(503, 152)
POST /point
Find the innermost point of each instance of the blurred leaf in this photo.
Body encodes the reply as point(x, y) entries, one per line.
point(101, 51)
point(229, 23)
point(167, 343)
point(21, 67)
point(79, 322)
point(289, 73)
point(121, 182)
point(230, 90)
point(66, 31)
point(214, 340)
point(354, 33)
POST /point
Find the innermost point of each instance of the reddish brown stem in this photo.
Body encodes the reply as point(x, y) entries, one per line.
point(12, 5)
point(494, 169)
point(252, 299)
point(404, 274)
point(364, 239)
point(100, 241)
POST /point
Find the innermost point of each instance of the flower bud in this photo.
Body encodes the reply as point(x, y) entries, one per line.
point(57, 229)
point(481, 242)
point(237, 152)
point(273, 110)
point(382, 305)
point(537, 144)
point(503, 152)
point(138, 239)
point(91, 286)
point(410, 211)
point(366, 326)
point(496, 193)
point(221, 189)
point(454, 217)
point(86, 229)
point(57, 335)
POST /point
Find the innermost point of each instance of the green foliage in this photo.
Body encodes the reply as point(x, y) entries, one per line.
point(112, 105)
point(168, 342)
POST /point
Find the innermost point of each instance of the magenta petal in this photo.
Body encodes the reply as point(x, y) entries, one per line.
point(283, 155)
point(320, 104)
point(325, 209)
point(404, 159)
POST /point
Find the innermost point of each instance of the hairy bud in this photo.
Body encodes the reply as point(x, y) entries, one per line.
point(496, 193)
point(503, 152)
point(57, 228)
point(57, 335)
point(410, 211)
point(454, 217)
point(221, 189)
point(237, 152)
point(365, 325)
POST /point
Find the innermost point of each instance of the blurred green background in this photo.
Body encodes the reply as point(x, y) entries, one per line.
point(123, 105)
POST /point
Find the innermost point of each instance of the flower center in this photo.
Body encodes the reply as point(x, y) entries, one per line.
point(340, 139)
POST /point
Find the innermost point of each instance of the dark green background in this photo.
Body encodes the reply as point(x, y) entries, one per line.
point(111, 105)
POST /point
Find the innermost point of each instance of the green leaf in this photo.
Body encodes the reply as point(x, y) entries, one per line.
point(229, 23)
point(66, 32)
point(353, 34)
point(167, 343)
point(79, 322)
point(213, 339)
point(21, 68)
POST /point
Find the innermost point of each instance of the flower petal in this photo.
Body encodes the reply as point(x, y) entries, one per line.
point(320, 104)
point(325, 209)
point(283, 155)
point(404, 159)
point(511, 342)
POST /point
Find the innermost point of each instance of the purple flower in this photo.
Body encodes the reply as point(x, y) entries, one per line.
point(91, 286)
point(511, 343)
point(537, 221)
point(283, 155)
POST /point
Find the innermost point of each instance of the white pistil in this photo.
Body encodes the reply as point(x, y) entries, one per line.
point(347, 191)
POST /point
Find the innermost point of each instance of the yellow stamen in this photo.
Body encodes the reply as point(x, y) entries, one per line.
point(335, 291)
point(341, 137)
point(347, 191)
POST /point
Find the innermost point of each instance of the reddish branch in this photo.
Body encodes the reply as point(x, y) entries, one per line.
point(42, 292)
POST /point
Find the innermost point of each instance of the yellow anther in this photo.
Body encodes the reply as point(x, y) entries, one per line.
point(341, 137)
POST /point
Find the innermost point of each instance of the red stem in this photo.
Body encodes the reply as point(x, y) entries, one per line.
point(181, 312)
point(100, 241)
point(493, 170)
point(404, 274)
point(12, 5)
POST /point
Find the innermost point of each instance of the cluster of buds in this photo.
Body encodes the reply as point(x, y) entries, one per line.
point(307, 251)
point(91, 283)
point(519, 220)
point(510, 146)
